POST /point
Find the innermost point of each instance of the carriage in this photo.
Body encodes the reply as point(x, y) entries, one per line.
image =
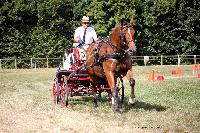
point(73, 80)
point(103, 71)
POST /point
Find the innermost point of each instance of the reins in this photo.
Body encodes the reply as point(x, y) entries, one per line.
point(120, 53)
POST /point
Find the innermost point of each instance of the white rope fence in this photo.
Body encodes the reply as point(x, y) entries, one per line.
point(31, 63)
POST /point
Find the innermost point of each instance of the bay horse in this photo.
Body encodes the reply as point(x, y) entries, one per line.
point(111, 59)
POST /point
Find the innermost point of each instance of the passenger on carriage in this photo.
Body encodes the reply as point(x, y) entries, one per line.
point(84, 36)
point(69, 60)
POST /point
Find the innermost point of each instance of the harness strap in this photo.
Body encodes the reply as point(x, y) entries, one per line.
point(116, 56)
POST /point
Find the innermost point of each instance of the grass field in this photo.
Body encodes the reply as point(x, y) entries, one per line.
point(172, 105)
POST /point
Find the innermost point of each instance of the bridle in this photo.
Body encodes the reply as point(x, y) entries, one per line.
point(124, 28)
point(118, 52)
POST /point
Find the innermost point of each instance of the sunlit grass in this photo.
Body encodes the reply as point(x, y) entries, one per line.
point(161, 106)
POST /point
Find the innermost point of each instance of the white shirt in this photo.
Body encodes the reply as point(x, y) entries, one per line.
point(90, 34)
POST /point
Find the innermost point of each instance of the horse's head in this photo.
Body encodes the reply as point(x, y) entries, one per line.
point(127, 36)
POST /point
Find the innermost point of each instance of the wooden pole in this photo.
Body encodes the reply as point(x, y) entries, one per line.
point(0, 64)
point(31, 63)
point(179, 60)
point(195, 59)
point(47, 63)
point(35, 66)
point(15, 63)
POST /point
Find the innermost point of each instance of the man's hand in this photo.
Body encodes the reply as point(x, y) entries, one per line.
point(80, 43)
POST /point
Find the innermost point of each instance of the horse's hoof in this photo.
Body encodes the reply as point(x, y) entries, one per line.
point(120, 105)
point(117, 112)
point(109, 99)
point(131, 104)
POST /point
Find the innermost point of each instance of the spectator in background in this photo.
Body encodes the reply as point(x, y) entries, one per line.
point(69, 60)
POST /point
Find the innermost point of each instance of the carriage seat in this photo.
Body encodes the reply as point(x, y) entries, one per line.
point(82, 50)
point(74, 59)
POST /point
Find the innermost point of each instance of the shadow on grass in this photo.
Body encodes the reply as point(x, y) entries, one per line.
point(87, 100)
point(105, 102)
point(145, 106)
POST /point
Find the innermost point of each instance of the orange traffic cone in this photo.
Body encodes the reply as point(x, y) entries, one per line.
point(151, 75)
point(199, 76)
point(179, 71)
point(174, 72)
point(198, 65)
point(194, 69)
point(160, 77)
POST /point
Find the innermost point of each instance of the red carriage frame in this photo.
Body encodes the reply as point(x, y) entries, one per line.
point(76, 82)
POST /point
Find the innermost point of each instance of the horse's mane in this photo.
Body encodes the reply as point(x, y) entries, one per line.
point(115, 30)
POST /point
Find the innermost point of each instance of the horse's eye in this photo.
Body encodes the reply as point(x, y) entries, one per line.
point(125, 28)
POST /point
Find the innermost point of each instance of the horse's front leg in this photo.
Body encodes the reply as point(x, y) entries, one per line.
point(115, 99)
point(114, 90)
point(131, 100)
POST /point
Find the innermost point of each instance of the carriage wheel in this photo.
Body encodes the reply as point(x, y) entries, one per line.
point(67, 91)
point(54, 93)
point(64, 92)
point(57, 91)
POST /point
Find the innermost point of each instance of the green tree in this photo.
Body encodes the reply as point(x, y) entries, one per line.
point(107, 13)
point(171, 27)
point(42, 28)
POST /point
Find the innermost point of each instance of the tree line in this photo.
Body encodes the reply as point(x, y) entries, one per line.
point(45, 28)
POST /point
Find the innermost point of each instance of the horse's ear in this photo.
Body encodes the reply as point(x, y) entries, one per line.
point(122, 22)
point(132, 21)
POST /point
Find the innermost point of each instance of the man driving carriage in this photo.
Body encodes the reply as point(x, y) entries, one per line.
point(84, 36)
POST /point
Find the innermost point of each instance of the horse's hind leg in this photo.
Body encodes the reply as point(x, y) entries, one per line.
point(95, 97)
point(131, 100)
point(94, 90)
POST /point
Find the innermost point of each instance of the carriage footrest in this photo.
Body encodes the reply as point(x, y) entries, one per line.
point(81, 75)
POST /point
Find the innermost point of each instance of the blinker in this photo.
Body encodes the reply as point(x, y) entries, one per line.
point(122, 34)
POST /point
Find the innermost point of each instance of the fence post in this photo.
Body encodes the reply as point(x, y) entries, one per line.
point(195, 59)
point(47, 63)
point(15, 63)
point(35, 66)
point(31, 63)
point(179, 60)
point(0, 64)
point(146, 59)
point(161, 60)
